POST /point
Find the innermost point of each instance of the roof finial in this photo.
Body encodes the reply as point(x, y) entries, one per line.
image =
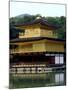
point(38, 17)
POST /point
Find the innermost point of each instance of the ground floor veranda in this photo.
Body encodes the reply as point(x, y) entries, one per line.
point(37, 62)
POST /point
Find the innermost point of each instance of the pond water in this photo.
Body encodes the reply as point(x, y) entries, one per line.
point(54, 78)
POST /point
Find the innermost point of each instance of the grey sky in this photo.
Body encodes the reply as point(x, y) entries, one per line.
point(17, 8)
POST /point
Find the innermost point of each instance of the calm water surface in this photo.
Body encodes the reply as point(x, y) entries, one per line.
point(38, 80)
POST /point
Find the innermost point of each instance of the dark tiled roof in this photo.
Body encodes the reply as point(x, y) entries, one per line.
point(34, 39)
point(42, 21)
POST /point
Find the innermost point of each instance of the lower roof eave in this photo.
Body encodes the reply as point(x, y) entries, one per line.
point(35, 53)
point(35, 39)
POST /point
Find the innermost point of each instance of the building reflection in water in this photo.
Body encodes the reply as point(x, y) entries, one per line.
point(59, 78)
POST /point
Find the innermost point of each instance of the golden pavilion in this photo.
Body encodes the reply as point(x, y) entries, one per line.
point(37, 48)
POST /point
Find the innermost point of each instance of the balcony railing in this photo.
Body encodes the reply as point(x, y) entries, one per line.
point(21, 50)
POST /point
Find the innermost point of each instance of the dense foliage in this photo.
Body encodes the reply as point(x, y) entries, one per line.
point(58, 21)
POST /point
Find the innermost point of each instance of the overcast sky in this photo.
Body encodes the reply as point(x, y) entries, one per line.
point(17, 8)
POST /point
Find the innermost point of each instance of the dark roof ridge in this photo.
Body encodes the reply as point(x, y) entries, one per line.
point(34, 39)
point(41, 20)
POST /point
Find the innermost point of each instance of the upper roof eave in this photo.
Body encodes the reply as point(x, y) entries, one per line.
point(37, 21)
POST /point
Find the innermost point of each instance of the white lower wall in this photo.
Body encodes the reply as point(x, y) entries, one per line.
point(59, 59)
